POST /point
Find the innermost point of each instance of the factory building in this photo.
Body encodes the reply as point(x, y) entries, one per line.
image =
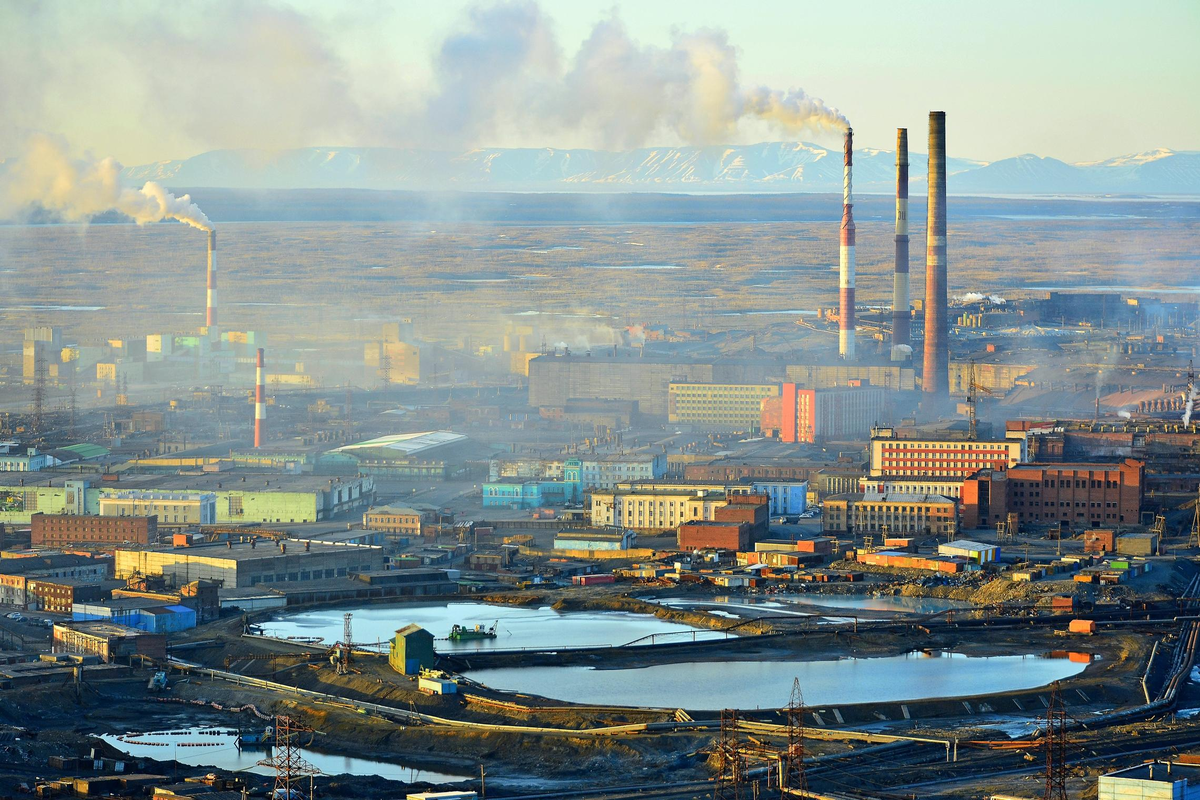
point(580, 473)
point(66, 530)
point(834, 376)
point(1152, 780)
point(1076, 494)
point(172, 508)
point(711, 534)
point(555, 379)
point(939, 456)
point(872, 513)
point(432, 455)
point(108, 642)
point(718, 406)
point(243, 564)
point(58, 595)
point(820, 415)
point(727, 469)
point(31, 460)
point(241, 498)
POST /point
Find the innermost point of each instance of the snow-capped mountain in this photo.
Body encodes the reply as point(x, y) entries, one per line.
point(768, 166)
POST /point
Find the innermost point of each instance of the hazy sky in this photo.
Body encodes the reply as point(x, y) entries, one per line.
point(145, 81)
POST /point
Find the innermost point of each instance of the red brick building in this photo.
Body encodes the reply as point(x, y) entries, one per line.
point(57, 595)
point(67, 530)
point(1078, 495)
point(709, 534)
point(752, 509)
point(737, 471)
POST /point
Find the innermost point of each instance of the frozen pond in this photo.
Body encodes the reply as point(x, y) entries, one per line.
point(516, 626)
point(713, 685)
point(217, 747)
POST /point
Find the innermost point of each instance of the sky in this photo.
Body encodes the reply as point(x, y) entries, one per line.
point(148, 81)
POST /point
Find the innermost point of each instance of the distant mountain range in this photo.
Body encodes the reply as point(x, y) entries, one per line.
point(765, 167)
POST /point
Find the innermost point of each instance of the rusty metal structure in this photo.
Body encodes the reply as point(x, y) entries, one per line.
point(900, 314)
point(935, 376)
point(731, 761)
point(846, 253)
point(1055, 744)
point(791, 768)
point(289, 766)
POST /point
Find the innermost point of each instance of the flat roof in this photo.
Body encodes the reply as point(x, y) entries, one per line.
point(1164, 772)
point(246, 551)
point(100, 628)
point(966, 544)
point(903, 497)
point(407, 443)
point(229, 481)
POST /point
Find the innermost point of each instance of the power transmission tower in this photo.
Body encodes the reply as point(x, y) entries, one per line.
point(385, 366)
point(792, 768)
point(343, 665)
point(731, 765)
point(1055, 742)
point(290, 768)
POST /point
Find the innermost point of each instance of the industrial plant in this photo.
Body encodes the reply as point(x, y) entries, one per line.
point(534, 496)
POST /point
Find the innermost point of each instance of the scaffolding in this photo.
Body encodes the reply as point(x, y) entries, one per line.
point(731, 762)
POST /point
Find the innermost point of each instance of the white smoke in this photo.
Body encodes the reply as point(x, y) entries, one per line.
point(46, 177)
point(503, 73)
point(1123, 414)
point(1190, 405)
point(977, 297)
point(902, 349)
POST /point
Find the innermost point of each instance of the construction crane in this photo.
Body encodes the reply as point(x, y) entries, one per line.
point(972, 400)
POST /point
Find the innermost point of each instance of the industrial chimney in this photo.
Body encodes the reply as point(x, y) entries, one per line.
point(211, 316)
point(936, 373)
point(260, 401)
point(846, 272)
point(900, 315)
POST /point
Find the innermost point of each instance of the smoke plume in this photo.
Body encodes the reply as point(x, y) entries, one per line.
point(45, 177)
point(1190, 405)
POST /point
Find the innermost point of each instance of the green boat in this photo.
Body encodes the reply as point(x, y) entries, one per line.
point(463, 633)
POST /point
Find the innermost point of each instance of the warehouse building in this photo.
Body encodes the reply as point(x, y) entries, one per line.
point(711, 534)
point(718, 406)
point(431, 455)
point(243, 564)
point(1168, 780)
point(605, 472)
point(107, 641)
point(528, 494)
point(58, 595)
point(872, 512)
point(972, 551)
point(1091, 495)
point(16, 574)
point(67, 530)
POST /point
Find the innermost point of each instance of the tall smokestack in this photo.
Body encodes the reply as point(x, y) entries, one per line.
point(936, 373)
point(846, 272)
point(260, 401)
point(211, 316)
point(900, 315)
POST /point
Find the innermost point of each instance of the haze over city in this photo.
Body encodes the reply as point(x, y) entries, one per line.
point(605, 400)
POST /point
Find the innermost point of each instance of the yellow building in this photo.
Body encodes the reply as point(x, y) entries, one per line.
point(653, 510)
point(171, 508)
point(891, 514)
point(719, 405)
point(998, 378)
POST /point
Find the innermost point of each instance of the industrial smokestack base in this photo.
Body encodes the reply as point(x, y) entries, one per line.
point(846, 253)
point(935, 376)
point(211, 307)
point(901, 351)
point(260, 401)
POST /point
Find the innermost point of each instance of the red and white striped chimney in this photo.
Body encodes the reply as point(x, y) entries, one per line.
point(900, 314)
point(260, 401)
point(846, 272)
point(211, 316)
